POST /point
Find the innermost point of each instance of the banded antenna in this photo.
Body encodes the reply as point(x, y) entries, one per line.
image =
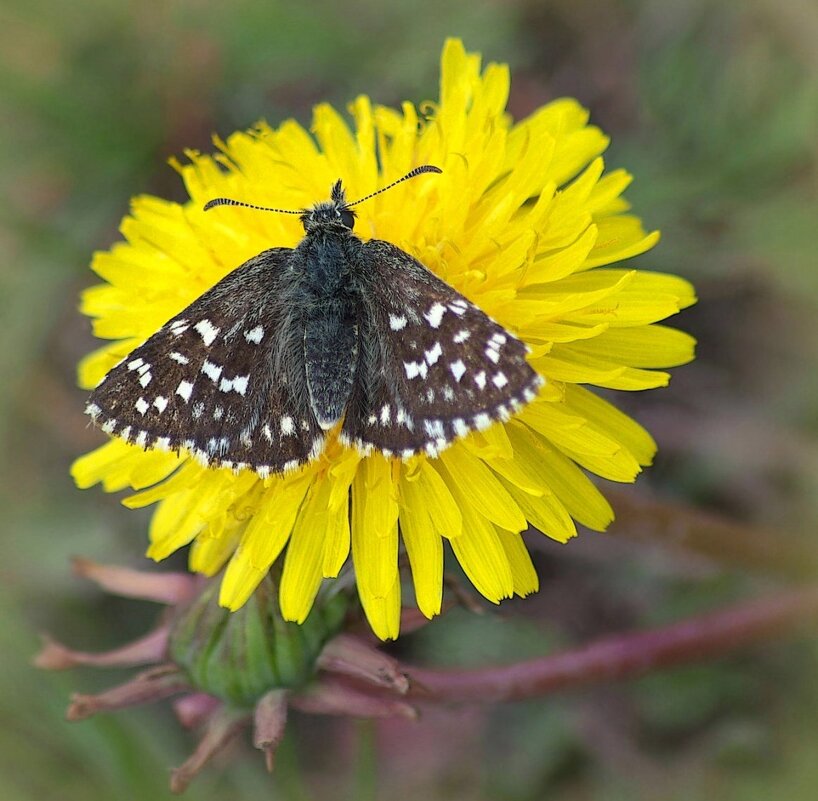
point(411, 174)
point(226, 201)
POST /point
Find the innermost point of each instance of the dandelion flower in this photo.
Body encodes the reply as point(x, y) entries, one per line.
point(525, 224)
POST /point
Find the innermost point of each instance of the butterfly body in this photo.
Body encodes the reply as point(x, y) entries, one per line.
point(295, 342)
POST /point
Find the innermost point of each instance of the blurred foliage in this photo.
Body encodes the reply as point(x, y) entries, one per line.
point(713, 106)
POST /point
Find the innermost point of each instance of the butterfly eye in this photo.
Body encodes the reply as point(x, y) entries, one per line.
point(347, 219)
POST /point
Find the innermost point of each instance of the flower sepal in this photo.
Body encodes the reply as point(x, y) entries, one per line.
point(228, 671)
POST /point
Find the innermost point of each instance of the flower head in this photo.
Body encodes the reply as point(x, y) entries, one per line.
point(524, 223)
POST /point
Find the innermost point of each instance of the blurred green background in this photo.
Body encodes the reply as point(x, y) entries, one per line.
point(714, 108)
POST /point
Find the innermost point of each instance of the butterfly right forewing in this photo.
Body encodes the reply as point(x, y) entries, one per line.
point(433, 366)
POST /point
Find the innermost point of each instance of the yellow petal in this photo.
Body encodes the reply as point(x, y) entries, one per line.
point(483, 492)
point(214, 545)
point(424, 547)
point(577, 438)
point(571, 488)
point(607, 418)
point(374, 526)
point(642, 346)
point(430, 490)
point(383, 613)
point(482, 556)
point(565, 363)
point(523, 573)
point(620, 237)
point(302, 573)
point(264, 538)
point(337, 542)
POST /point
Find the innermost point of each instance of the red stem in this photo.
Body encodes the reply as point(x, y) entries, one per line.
point(621, 656)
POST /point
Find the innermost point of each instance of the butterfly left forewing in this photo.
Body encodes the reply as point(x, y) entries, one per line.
point(433, 366)
point(213, 379)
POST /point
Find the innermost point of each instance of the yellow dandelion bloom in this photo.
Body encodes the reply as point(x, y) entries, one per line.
point(523, 222)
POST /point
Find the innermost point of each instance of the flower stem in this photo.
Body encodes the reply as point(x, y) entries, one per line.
point(622, 656)
point(640, 517)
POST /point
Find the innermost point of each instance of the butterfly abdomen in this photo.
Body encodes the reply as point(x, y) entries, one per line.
point(330, 353)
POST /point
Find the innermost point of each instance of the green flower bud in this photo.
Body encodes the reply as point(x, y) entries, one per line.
point(240, 656)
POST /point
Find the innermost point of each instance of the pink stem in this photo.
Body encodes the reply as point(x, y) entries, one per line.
point(622, 656)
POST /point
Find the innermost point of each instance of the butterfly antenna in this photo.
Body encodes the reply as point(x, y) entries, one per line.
point(417, 171)
point(226, 201)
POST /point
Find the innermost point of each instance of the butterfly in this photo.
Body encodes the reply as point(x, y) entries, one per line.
point(336, 333)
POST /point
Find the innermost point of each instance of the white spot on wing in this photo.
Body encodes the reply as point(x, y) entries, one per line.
point(434, 428)
point(499, 380)
point(482, 421)
point(461, 336)
point(135, 364)
point(254, 335)
point(385, 415)
point(434, 354)
point(160, 403)
point(184, 390)
point(142, 405)
point(207, 331)
point(237, 384)
point(415, 369)
point(435, 314)
point(480, 379)
point(178, 357)
point(397, 322)
point(492, 354)
point(458, 369)
point(145, 378)
point(211, 370)
point(287, 426)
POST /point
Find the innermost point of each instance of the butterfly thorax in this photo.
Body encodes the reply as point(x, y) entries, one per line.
point(328, 255)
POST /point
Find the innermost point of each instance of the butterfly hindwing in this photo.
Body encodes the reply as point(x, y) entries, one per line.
point(214, 379)
point(432, 366)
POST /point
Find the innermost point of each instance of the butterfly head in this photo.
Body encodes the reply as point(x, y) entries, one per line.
point(333, 214)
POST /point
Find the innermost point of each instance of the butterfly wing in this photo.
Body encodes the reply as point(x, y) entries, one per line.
point(221, 378)
point(432, 366)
